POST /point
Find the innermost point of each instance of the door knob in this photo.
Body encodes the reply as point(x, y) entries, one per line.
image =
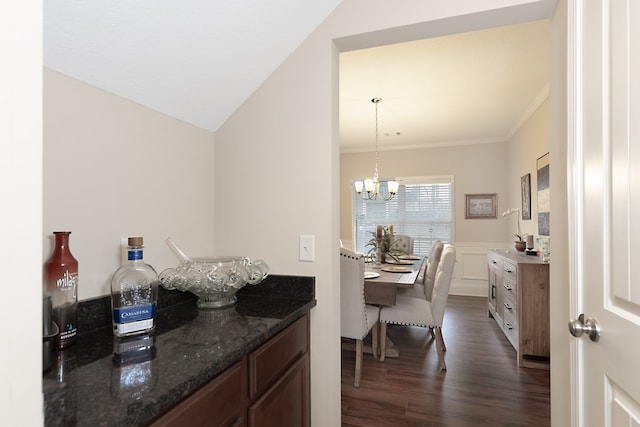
point(579, 326)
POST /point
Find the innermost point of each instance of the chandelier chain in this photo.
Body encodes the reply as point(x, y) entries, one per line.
point(372, 186)
point(375, 175)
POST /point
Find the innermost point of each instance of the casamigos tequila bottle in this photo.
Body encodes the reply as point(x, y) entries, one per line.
point(134, 293)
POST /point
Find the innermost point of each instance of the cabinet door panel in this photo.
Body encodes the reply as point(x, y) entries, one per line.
point(221, 402)
point(273, 358)
point(286, 404)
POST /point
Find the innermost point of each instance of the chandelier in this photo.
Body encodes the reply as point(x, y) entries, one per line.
point(372, 186)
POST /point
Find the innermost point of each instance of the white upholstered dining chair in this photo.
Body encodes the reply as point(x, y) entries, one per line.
point(423, 312)
point(402, 243)
point(423, 290)
point(356, 317)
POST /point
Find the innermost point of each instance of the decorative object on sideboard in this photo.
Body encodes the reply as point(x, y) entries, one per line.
point(544, 247)
point(372, 186)
point(214, 281)
point(520, 244)
point(530, 241)
point(531, 250)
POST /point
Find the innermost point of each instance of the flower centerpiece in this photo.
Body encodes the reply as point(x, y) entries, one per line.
point(381, 245)
point(520, 244)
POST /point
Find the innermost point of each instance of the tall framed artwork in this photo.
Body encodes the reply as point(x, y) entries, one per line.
point(525, 190)
point(544, 202)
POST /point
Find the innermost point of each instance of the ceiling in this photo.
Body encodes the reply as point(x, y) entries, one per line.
point(195, 60)
point(467, 88)
point(198, 60)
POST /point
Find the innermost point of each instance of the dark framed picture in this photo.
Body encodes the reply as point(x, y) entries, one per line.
point(525, 189)
point(481, 206)
point(544, 199)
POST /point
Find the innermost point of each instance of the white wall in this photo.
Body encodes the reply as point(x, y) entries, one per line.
point(114, 169)
point(277, 157)
point(21, 212)
point(475, 168)
point(529, 143)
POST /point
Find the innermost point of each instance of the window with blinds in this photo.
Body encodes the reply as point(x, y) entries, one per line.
point(422, 209)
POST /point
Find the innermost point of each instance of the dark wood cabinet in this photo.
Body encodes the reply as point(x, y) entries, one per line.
point(221, 402)
point(279, 386)
point(268, 387)
point(519, 302)
point(286, 403)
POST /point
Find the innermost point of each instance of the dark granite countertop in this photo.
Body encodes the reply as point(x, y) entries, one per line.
point(105, 381)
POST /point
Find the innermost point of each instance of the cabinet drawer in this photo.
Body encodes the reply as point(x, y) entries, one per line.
point(510, 270)
point(273, 358)
point(509, 302)
point(219, 403)
point(509, 289)
point(510, 327)
point(509, 307)
point(495, 262)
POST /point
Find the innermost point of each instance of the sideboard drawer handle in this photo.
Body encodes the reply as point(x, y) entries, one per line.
point(507, 306)
point(507, 287)
point(508, 326)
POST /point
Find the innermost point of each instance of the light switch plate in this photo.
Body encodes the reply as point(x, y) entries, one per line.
point(307, 250)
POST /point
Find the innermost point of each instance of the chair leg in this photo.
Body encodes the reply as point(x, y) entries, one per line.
point(440, 348)
point(375, 340)
point(433, 335)
point(383, 340)
point(356, 381)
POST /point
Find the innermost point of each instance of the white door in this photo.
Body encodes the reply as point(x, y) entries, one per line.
point(604, 210)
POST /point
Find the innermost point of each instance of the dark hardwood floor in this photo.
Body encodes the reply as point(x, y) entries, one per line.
point(482, 385)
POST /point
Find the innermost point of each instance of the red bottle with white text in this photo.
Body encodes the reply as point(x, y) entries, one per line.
point(61, 283)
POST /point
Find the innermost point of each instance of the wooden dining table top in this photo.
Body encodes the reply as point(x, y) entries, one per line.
point(382, 289)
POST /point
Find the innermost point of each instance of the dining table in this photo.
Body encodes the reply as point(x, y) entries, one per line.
point(382, 281)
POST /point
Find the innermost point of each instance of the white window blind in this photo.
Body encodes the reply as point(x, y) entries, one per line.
point(422, 209)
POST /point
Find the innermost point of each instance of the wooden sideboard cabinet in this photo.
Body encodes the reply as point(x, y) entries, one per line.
point(268, 387)
point(518, 300)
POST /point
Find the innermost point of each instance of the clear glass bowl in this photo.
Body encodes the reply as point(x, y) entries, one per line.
point(214, 281)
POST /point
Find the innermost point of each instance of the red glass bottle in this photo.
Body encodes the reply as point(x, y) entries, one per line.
point(61, 283)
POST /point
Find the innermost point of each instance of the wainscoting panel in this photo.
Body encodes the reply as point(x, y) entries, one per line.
point(470, 273)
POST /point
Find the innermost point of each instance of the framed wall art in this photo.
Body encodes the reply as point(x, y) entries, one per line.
point(544, 202)
point(481, 206)
point(525, 189)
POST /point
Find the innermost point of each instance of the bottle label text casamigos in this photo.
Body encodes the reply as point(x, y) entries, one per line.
point(134, 293)
point(133, 319)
